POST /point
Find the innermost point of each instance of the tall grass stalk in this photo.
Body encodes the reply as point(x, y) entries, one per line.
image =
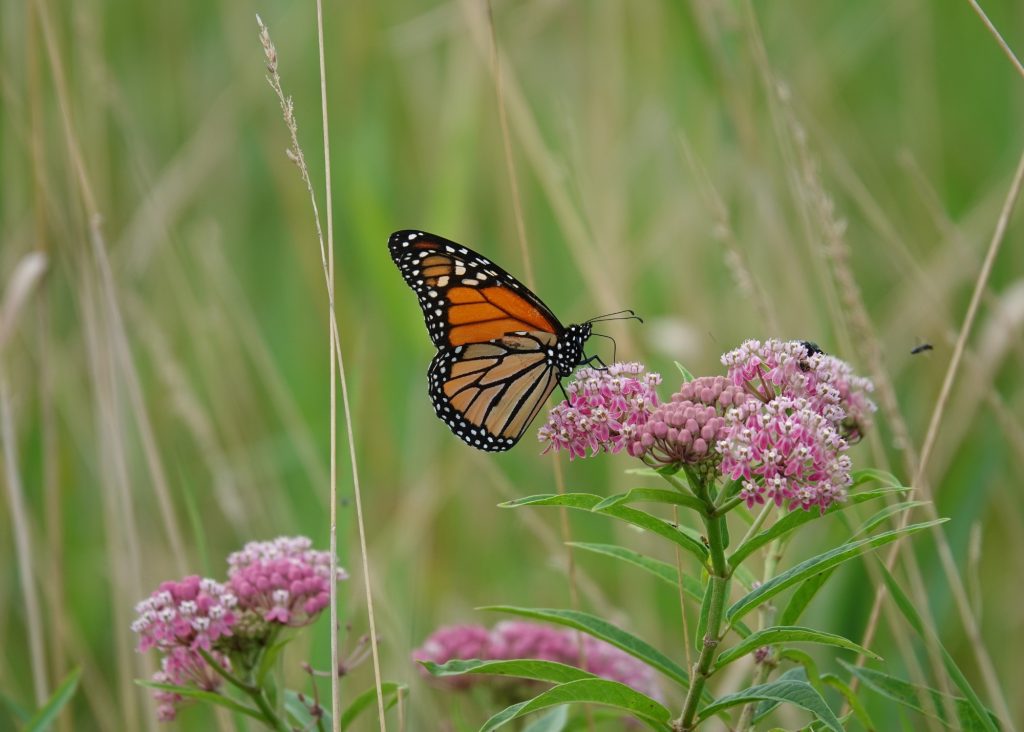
point(295, 153)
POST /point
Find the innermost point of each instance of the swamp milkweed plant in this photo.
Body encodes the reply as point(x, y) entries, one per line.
point(766, 442)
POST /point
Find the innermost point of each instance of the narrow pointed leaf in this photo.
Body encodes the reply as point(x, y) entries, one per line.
point(818, 564)
point(48, 713)
point(587, 501)
point(549, 671)
point(779, 634)
point(799, 517)
point(210, 697)
point(652, 495)
point(797, 693)
point(599, 628)
point(802, 597)
point(887, 512)
point(592, 691)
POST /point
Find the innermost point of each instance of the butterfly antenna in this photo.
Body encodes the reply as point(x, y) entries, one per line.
point(614, 344)
point(619, 315)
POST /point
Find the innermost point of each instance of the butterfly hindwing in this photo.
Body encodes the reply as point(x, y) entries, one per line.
point(489, 393)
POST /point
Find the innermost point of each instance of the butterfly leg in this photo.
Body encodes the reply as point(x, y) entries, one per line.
point(592, 359)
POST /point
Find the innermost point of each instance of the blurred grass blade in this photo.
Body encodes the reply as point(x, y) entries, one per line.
point(593, 691)
point(913, 617)
point(788, 634)
point(787, 691)
point(23, 280)
point(817, 564)
point(912, 696)
point(599, 628)
point(587, 502)
point(48, 713)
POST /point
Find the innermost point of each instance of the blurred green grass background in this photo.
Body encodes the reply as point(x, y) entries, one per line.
point(718, 167)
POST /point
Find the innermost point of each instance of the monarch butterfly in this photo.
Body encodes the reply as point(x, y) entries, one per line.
point(500, 349)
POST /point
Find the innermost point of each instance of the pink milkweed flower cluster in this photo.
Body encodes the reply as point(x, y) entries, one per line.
point(604, 410)
point(787, 443)
point(180, 619)
point(522, 639)
point(785, 451)
point(687, 428)
point(779, 422)
point(284, 581)
point(193, 613)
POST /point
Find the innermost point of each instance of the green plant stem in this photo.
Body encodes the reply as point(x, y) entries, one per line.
point(771, 561)
point(252, 691)
point(719, 588)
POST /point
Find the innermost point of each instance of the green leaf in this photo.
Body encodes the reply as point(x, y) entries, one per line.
point(802, 597)
point(702, 618)
point(664, 571)
point(779, 634)
point(766, 706)
point(799, 517)
point(599, 628)
point(652, 495)
point(210, 697)
point(269, 658)
point(593, 691)
point(913, 696)
point(47, 714)
point(587, 501)
point(818, 564)
point(910, 613)
point(388, 689)
point(797, 693)
point(873, 475)
point(553, 721)
point(687, 376)
point(549, 671)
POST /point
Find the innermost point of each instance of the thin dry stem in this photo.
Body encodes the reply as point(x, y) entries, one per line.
point(1003, 45)
point(23, 547)
point(295, 154)
point(328, 198)
point(506, 140)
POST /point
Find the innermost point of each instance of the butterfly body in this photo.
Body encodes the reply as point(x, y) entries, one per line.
point(500, 349)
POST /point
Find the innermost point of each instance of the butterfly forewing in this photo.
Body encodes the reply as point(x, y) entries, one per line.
point(500, 350)
point(465, 297)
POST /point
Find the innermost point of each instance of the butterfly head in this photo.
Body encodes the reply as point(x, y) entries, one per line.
point(569, 349)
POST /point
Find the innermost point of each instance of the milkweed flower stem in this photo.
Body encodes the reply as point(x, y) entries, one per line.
point(718, 593)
